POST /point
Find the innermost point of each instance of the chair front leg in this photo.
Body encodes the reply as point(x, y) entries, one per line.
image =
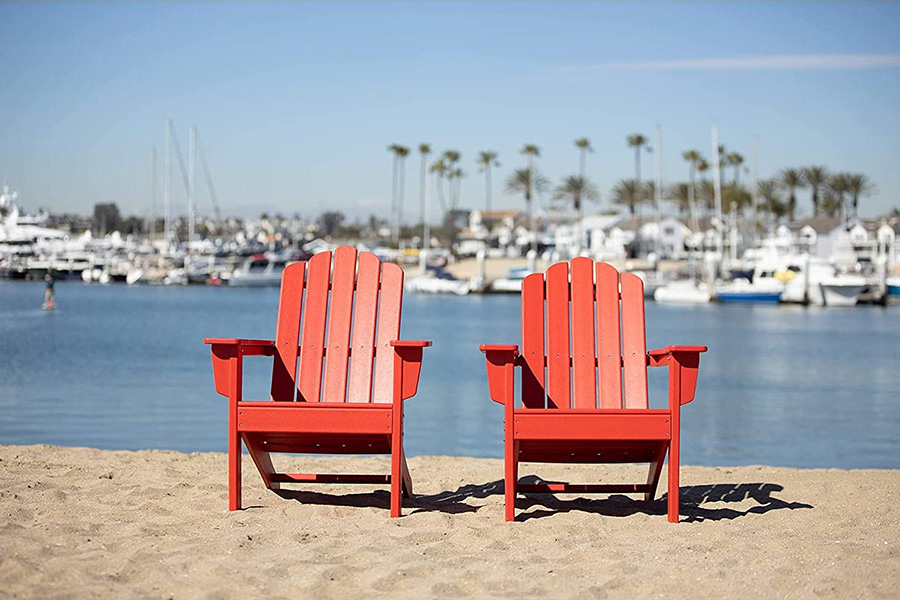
point(234, 458)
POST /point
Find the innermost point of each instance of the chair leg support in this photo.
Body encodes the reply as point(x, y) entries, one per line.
point(234, 461)
point(511, 479)
point(673, 493)
point(407, 479)
point(397, 468)
point(655, 471)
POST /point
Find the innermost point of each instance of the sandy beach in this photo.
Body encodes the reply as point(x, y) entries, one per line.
point(84, 523)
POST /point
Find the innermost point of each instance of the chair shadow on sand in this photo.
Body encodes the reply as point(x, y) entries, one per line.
point(693, 499)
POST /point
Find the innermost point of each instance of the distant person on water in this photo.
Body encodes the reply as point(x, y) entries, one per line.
point(49, 292)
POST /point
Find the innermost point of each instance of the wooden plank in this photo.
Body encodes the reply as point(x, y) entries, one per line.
point(533, 341)
point(583, 488)
point(389, 304)
point(584, 353)
point(313, 340)
point(329, 478)
point(626, 425)
point(266, 417)
point(558, 372)
point(364, 315)
point(609, 353)
point(634, 342)
point(337, 350)
point(287, 333)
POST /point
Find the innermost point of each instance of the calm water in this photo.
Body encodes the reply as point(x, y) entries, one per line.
point(125, 367)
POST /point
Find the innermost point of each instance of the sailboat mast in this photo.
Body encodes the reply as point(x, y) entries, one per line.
point(167, 184)
point(657, 183)
point(717, 185)
point(151, 221)
point(192, 178)
point(754, 192)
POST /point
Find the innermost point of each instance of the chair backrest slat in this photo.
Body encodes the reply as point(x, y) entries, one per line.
point(389, 306)
point(533, 341)
point(609, 351)
point(313, 340)
point(368, 275)
point(584, 354)
point(340, 314)
point(287, 333)
point(634, 342)
point(558, 371)
point(594, 347)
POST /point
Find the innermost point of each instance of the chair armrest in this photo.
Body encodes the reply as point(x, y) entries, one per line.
point(410, 344)
point(684, 364)
point(407, 367)
point(227, 361)
point(500, 360)
point(246, 347)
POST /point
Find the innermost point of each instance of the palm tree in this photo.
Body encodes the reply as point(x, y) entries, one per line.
point(693, 157)
point(576, 189)
point(770, 197)
point(816, 178)
point(791, 179)
point(839, 184)
point(734, 159)
point(707, 195)
point(636, 141)
point(628, 192)
point(526, 182)
point(399, 152)
point(486, 160)
point(584, 146)
point(439, 168)
point(859, 184)
point(680, 195)
point(424, 151)
point(453, 175)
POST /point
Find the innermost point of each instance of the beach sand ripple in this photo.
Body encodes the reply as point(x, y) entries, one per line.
point(84, 523)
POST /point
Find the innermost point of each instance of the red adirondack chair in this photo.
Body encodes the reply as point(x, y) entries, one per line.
point(347, 395)
point(560, 419)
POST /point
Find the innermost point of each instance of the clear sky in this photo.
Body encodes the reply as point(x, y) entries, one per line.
point(296, 102)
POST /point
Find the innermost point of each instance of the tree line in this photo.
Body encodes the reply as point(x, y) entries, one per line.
point(831, 193)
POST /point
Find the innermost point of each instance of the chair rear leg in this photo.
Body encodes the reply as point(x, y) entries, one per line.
point(655, 471)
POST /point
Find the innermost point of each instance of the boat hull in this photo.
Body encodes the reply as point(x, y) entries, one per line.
point(747, 297)
point(841, 295)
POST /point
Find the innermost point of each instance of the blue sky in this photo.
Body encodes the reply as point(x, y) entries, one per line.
point(296, 102)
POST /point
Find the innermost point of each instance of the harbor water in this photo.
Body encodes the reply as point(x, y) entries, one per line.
point(124, 367)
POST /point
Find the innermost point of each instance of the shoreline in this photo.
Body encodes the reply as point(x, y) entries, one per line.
point(81, 522)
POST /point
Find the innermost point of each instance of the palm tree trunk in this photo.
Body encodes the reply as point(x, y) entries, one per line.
point(815, 201)
point(583, 159)
point(402, 181)
point(487, 189)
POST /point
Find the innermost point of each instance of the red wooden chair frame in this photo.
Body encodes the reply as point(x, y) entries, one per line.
point(347, 395)
point(571, 425)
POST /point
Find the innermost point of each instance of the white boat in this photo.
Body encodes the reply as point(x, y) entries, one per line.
point(512, 283)
point(260, 270)
point(816, 281)
point(683, 291)
point(425, 284)
point(842, 289)
point(653, 280)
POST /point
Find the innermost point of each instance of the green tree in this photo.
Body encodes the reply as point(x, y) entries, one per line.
point(791, 180)
point(486, 160)
point(816, 178)
point(526, 182)
point(680, 195)
point(576, 189)
point(839, 185)
point(771, 200)
point(584, 146)
point(630, 193)
point(859, 185)
point(330, 222)
point(734, 159)
point(400, 153)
